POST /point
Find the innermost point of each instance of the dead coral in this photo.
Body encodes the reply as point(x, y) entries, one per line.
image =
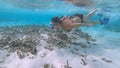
point(25, 45)
point(25, 39)
point(20, 39)
point(108, 61)
point(62, 39)
point(58, 39)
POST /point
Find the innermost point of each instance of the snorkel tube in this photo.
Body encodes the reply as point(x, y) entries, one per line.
point(51, 25)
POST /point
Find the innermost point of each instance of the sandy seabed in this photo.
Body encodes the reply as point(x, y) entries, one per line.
point(33, 46)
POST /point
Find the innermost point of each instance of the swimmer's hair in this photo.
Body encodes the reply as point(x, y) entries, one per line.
point(55, 19)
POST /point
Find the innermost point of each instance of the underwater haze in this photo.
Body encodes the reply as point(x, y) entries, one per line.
point(27, 40)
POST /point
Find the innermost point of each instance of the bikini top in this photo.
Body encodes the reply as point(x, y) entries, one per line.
point(78, 15)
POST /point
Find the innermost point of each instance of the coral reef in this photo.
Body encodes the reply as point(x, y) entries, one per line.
point(25, 39)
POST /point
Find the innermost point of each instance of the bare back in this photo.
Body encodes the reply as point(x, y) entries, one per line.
point(69, 24)
point(66, 24)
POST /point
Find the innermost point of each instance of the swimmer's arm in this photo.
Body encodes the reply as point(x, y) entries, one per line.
point(91, 13)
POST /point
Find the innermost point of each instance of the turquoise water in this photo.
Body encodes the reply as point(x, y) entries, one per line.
point(39, 12)
point(28, 13)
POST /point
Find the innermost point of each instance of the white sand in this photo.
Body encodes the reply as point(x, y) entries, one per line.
point(106, 54)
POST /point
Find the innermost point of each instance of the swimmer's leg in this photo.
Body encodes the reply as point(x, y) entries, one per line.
point(95, 22)
point(91, 13)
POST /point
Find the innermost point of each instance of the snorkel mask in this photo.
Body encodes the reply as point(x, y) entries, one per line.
point(55, 20)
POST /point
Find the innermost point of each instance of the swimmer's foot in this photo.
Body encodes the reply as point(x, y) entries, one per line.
point(104, 21)
point(100, 14)
point(101, 22)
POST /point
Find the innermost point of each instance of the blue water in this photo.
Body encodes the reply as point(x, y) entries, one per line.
point(24, 12)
